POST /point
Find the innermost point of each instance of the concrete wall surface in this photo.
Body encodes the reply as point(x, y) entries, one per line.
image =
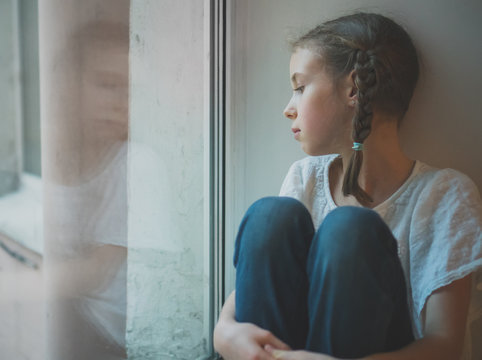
point(167, 308)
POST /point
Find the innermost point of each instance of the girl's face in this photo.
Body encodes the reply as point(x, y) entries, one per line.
point(320, 110)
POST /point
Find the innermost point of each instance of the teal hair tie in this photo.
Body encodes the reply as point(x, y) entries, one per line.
point(357, 146)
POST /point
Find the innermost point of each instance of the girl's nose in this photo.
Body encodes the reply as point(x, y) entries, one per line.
point(290, 111)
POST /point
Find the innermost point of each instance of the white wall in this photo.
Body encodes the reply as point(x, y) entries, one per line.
point(22, 328)
point(167, 314)
point(442, 127)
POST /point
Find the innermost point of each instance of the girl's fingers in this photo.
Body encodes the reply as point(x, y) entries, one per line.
point(275, 343)
point(282, 355)
point(295, 355)
point(277, 354)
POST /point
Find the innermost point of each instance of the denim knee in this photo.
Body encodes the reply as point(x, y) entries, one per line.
point(268, 223)
point(353, 232)
point(284, 206)
point(355, 279)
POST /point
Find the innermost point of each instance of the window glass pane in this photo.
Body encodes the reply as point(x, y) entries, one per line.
point(109, 256)
point(22, 332)
point(28, 28)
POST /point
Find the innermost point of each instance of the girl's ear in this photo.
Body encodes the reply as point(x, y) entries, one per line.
point(351, 89)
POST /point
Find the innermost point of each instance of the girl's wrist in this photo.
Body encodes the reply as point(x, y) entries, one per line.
point(222, 332)
point(219, 339)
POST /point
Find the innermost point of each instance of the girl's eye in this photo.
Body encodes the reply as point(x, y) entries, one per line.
point(299, 90)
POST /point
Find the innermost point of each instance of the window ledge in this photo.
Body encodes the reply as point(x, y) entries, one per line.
point(21, 214)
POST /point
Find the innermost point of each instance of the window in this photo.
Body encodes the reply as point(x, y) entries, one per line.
point(133, 215)
point(20, 168)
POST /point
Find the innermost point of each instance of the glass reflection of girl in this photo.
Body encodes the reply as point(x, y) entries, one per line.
point(367, 254)
point(88, 257)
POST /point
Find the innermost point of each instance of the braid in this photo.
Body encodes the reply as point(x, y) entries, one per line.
point(366, 83)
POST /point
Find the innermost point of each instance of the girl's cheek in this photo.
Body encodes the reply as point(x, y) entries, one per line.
point(308, 104)
point(312, 107)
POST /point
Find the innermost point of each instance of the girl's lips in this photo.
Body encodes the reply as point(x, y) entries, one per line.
point(296, 132)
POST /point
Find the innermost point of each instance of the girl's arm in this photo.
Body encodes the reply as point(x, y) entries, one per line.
point(446, 315)
point(243, 341)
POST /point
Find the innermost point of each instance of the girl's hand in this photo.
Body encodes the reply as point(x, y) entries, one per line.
point(242, 341)
point(245, 341)
point(296, 355)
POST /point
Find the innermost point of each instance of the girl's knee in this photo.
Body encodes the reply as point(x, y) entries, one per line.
point(353, 216)
point(272, 225)
point(353, 232)
point(278, 208)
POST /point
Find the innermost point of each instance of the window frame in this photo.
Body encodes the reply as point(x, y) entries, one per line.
point(217, 24)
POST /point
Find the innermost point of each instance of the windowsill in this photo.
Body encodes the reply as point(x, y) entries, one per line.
point(21, 214)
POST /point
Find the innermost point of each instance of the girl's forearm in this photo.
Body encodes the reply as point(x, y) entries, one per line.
point(229, 308)
point(226, 316)
point(427, 348)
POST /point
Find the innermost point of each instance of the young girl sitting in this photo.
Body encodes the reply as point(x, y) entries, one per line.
point(366, 254)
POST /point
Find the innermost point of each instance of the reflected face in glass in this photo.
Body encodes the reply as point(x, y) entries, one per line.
point(105, 89)
point(104, 93)
point(319, 109)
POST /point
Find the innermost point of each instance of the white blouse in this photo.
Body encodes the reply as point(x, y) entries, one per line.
point(436, 217)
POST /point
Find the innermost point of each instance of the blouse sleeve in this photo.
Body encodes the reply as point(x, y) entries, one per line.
point(446, 238)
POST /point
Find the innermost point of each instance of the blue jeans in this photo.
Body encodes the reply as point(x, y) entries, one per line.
point(338, 291)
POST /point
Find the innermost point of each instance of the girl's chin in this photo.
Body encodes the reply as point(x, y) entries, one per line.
point(311, 151)
point(316, 152)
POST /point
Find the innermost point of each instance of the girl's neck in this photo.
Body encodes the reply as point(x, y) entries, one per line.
point(384, 169)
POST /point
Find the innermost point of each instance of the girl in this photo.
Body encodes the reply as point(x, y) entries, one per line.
point(367, 254)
